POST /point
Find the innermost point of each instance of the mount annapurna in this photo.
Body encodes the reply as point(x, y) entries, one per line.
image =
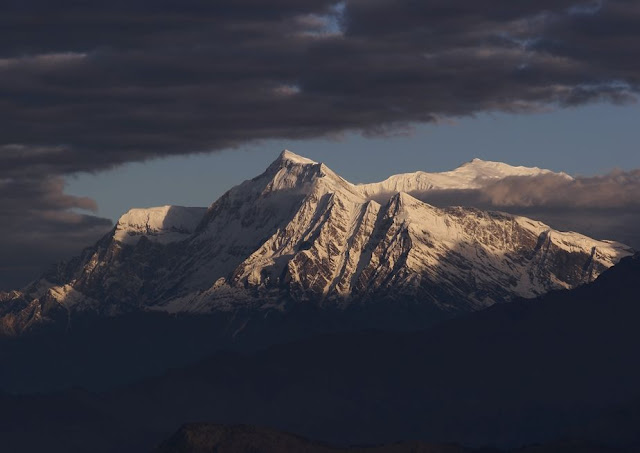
point(299, 234)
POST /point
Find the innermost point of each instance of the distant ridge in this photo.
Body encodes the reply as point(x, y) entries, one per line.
point(470, 175)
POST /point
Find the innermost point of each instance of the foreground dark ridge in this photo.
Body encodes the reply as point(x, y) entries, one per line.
point(210, 438)
point(204, 438)
point(562, 367)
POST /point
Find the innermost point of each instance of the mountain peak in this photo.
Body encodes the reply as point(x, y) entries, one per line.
point(473, 174)
point(292, 157)
point(500, 169)
point(403, 199)
point(477, 162)
point(478, 170)
point(162, 224)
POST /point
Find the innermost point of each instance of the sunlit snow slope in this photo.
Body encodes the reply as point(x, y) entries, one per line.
point(301, 234)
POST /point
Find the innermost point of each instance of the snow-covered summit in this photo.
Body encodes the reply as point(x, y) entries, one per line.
point(478, 170)
point(161, 224)
point(290, 156)
point(291, 174)
point(471, 175)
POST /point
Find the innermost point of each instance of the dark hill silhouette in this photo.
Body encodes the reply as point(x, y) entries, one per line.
point(205, 438)
point(212, 438)
point(561, 367)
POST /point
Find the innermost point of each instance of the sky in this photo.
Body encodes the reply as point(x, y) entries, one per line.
point(586, 140)
point(109, 105)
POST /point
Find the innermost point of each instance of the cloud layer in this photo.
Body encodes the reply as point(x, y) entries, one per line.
point(39, 225)
point(94, 84)
point(604, 207)
point(100, 83)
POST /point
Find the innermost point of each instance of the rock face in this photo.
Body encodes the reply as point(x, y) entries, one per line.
point(301, 234)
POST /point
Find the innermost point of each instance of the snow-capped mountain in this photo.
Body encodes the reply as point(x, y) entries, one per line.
point(162, 224)
point(301, 234)
point(471, 175)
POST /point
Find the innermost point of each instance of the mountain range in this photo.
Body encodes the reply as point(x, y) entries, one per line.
point(301, 235)
point(351, 315)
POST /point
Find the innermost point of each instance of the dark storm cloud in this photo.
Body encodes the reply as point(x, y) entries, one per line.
point(38, 225)
point(111, 82)
point(89, 85)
